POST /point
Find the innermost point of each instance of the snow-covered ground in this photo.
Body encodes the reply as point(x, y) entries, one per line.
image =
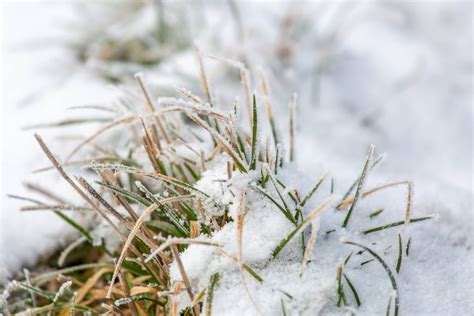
point(394, 74)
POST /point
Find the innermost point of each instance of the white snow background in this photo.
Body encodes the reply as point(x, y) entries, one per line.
point(396, 74)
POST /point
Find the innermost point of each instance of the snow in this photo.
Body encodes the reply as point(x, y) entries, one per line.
point(395, 74)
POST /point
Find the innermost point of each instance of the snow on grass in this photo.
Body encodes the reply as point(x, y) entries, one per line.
point(411, 101)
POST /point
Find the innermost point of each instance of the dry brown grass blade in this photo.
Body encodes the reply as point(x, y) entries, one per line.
point(150, 148)
point(244, 80)
point(60, 169)
point(189, 95)
point(176, 106)
point(126, 290)
point(240, 230)
point(218, 138)
point(124, 120)
point(140, 280)
point(194, 229)
point(291, 115)
point(127, 244)
point(82, 292)
point(151, 108)
point(178, 241)
point(174, 311)
point(109, 178)
point(45, 192)
point(137, 290)
point(202, 73)
point(76, 243)
point(408, 209)
point(311, 241)
point(99, 198)
point(182, 271)
point(72, 163)
point(268, 106)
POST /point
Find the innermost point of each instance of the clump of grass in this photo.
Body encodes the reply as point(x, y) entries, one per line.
point(157, 214)
point(169, 33)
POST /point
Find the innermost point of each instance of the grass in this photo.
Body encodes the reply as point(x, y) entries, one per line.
point(360, 184)
point(395, 224)
point(210, 293)
point(386, 268)
point(154, 209)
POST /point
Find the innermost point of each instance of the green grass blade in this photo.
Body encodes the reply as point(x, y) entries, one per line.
point(191, 171)
point(281, 208)
point(408, 247)
point(283, 309)
point(74, 224)
point(400, 253)
point(169, 213)
point(210, 293)
point(300, 227)
point(352, 187)
point(68, 122)
point(353, 290)
point(389, 306)
point(340, 287)
point(126, 193)
point(313, 190)
point(359, 186)
point(379, 228)
point(385, 266)
point(253, 156)
point(164, 226)
point(252, 272)
point(376, 213)
point(242, 147)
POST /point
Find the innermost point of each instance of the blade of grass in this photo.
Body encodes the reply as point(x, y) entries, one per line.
point(126, 193)
point(352, 187)
point(281, 208)
point(354, 291)
point(151, 109)
point(400, 253)
point(313, 190)
point(268, 108)
point(127, 244)
point(385, 266)
point(291, 115)
point(359, 185)
point(283, 309)
point(376, 213)
point(210, 293)
point(301, 226)
point(408, 247)
point(340, 287)
point(68, 122)
point(395, 224)
point(182, 271)
point(253, 155)
point(123, 120)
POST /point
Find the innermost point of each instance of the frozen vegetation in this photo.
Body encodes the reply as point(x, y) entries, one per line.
point(259, 146)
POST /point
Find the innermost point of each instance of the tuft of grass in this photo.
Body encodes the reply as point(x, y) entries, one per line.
point(154, 207)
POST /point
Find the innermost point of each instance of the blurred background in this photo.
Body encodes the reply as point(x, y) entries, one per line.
point(397, 74)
